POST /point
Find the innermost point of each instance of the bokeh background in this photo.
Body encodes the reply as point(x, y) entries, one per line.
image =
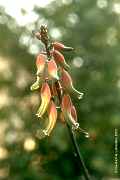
point(92, 27)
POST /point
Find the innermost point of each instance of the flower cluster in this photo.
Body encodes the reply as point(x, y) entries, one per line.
point(55, 85)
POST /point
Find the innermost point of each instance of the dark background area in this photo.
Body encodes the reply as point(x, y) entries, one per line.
point(93, 29)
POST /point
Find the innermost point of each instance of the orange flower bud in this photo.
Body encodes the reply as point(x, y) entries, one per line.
point(45, 99)
point(59, 46)
point(59, 58)
point(52, 69)
point(40, 63)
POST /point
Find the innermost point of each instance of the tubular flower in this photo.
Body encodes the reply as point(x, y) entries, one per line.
point(55, 84)
point(52, 117)
point(67, 84)
point(45, 99)
point(52, 69)
point(69, 111)
point(59, 58)
point(40, 63)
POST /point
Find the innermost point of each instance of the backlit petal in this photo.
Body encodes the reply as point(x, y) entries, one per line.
point(66, 79)
point(66, 104)
point(59, 59)
point(45, 99)
point(40, 63)
point(67, 84)
point(52, 117)
point(52, 69)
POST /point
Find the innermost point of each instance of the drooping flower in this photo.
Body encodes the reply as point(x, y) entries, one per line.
point(52, 117)
point(51, 121)
point(67, 84)
point(45, 99)
point(69, 111)
point(40, 63)
point(52, 69)
point(59, 59)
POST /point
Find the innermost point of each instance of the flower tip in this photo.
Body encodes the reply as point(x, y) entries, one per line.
point(35, 86)
point(80, 96)
point(37, 114)
point(87, 135)
point(75, 126)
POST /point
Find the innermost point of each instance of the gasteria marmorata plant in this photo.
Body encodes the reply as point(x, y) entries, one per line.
point(55, 85)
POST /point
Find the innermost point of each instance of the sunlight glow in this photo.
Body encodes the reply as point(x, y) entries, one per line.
point(116, 8)
point(29, 144)
point(16, 8)
point(102, 3)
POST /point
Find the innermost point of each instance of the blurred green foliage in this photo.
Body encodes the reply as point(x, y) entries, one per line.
point(93, 29)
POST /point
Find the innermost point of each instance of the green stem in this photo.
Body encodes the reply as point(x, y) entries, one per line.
point(78, 153)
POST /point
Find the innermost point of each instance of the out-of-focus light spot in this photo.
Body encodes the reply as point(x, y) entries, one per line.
point(33, 49)
point(111, 37)
point(11, 137)
point(116, 8)
point(118, 84)
point(22, 78)
point(34, 99)
point(102, 3)
point(72, 19)
point(66, 2)
point(3, 153)
point(55, 33)
point(16, 121)
point(5, 99)
point(78, 62)
point(24, 39)
point(4, 172)
point(3, 127)
point(5, 68)
point(29, 144)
